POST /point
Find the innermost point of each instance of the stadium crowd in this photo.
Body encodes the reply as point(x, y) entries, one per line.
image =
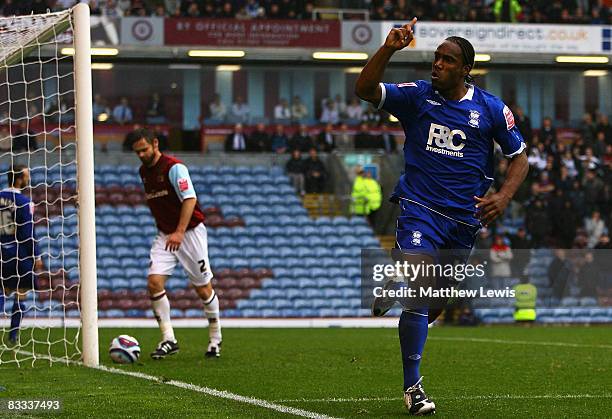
point(556, 11)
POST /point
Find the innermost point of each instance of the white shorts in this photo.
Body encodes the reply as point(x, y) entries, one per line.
point(192, 255)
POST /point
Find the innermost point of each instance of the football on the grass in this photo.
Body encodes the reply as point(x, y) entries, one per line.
point(124, 349)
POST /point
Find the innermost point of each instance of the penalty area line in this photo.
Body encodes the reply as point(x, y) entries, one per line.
point(222, 394)
point(479, 397)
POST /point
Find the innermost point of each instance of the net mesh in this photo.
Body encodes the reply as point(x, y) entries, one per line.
point(39, 308)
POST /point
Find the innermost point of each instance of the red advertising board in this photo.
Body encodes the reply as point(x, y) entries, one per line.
point(252, 33)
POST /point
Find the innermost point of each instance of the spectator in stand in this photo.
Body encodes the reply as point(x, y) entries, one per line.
point(296, 170)
point(589, 277)
point(506, 10)
point(595, 228)
point(344, 139)
point(301, 140)
point(340, 106)
point(217, 110)
point(326, 141)
point(100, 110)
point(259, 140)
point(282, 113)
point(565, 224)
point(364, 139)
point(240, 111)
point(548, 133)
point(299, 112)
point(160, 11)
point(559, 273)
point(523, 123)
point(544, 185)
point(604, 126)
point(371, 116)
point(538, 223)
point(193, 10)
point(386, 140)
point(589, 161)
point(354, 111)
point(607, 158)
point(330, 113)
point(593, 190)
point(122, 113)
point(254, 9)
point(569, 162)
point(237, 140)
point(316, 174)
point(279, 140)
point(162, 138)
point(599, 148)
point(520, 245)
point(587, 128)
point(500, 256)
point(537, 156)
point(563, 181)
point(227, 11)
point(155, 110)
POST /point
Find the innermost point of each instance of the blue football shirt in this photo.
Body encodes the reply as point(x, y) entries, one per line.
point(17, 237)
point(449, 149)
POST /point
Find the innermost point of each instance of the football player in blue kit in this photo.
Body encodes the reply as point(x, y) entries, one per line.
point(451, 128)
point(19, 256)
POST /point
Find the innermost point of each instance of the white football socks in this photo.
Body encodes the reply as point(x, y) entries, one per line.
point(211, 309)
point(161, 309)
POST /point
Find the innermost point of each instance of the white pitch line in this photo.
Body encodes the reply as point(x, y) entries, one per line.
point(521, 342)
point(222, 394)
point(480, 397)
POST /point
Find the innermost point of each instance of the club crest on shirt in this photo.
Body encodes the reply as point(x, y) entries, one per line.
point(509, 118)
point(416, 238)
point(474, 121)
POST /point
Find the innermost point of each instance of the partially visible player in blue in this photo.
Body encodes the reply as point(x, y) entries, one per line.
point(451, 126)
point(19, 257)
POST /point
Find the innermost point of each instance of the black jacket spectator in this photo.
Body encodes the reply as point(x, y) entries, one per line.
point(326, 141)
point(259, 140)
point(523, 124)
point(301, 141)
point(538, 222)
point(365, 140)
point(559, 273)
point(316, 174)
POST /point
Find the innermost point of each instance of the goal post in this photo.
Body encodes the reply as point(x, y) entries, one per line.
point(85, 181)
point(48, 308)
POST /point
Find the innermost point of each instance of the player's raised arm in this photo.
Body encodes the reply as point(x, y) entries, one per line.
point(367, 86)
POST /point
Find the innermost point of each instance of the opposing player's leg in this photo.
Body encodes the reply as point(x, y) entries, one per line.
point(193, 256)
point(161, 266)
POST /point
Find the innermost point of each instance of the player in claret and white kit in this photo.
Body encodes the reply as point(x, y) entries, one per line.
point(182, 238)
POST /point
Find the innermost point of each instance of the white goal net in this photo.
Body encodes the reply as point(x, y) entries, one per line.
point(39, 203)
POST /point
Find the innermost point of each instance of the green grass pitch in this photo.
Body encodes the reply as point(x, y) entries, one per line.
point(502, 371)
